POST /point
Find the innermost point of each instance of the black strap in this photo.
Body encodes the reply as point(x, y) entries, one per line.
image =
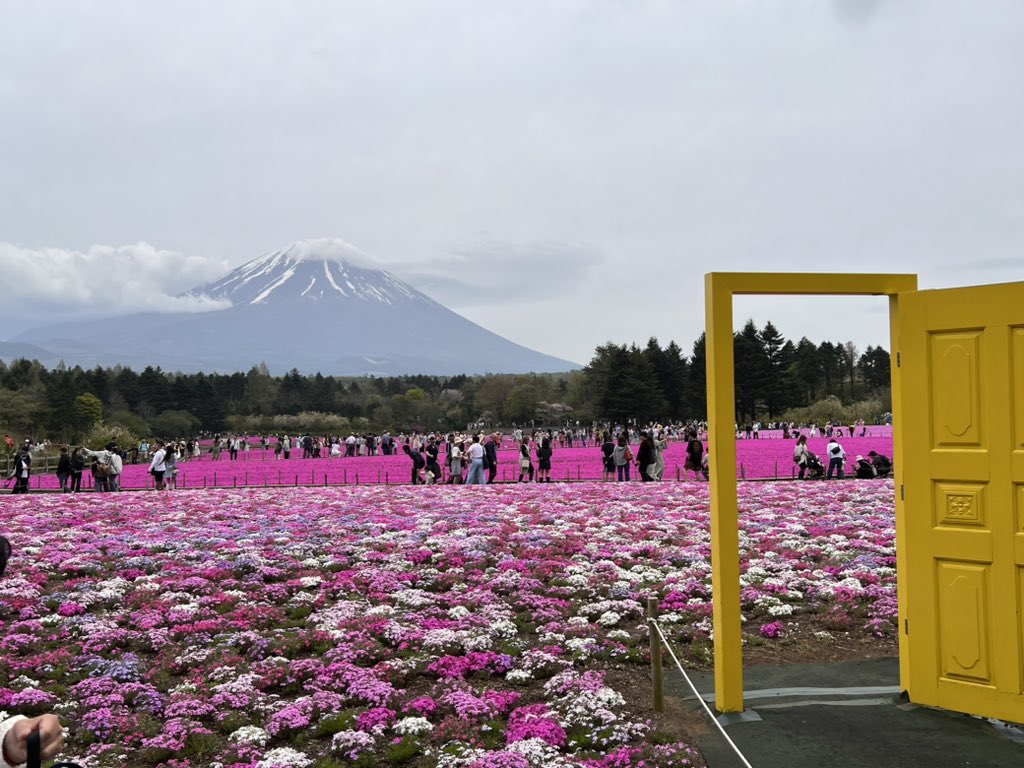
point(35, 759)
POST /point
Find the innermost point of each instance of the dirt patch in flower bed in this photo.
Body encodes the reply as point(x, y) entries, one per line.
point(445, 626)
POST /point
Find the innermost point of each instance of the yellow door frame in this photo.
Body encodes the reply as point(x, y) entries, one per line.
point(719, 289)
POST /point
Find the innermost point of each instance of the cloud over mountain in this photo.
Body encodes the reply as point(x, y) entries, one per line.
point(111, 279)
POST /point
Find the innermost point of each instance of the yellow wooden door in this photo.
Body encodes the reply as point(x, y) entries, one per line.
point(961, 356)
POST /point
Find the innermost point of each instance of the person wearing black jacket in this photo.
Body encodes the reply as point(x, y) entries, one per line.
point(418, 462)
point(644, 457)
point(64, 469)
point(77, 465)
point(607, 449)
point(491, 456)
point(22, 469)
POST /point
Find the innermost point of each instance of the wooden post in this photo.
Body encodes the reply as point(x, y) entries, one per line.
point(657, 674)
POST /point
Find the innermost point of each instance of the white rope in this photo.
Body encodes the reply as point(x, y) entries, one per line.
point(696, 693)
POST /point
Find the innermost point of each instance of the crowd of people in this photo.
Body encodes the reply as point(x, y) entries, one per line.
point(811, 467)
point(473, 459)
point(627, 452)
point(106, 465)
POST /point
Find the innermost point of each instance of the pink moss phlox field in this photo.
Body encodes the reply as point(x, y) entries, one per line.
point(768, 457)
point(451, 626)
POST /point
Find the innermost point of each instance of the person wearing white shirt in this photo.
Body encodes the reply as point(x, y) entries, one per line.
point(836, 457)
point(158, 465)
point(476, 463)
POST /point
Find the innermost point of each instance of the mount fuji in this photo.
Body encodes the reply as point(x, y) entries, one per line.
point(316, 305)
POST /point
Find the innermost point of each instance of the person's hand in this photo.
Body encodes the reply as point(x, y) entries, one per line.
point(51, 739)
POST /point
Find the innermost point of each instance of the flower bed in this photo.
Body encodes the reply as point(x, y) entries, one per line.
point(441, 626)
point(765, 458)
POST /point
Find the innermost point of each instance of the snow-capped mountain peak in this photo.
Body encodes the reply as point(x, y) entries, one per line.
point(316, 305)
point(312, 270)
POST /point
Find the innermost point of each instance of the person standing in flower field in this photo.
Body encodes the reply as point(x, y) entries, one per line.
point(660, 444)
point(622, 456)
point(158, 466)
point(171, 464)
point(455, 462)
point(644, 457)
point(476, 462)
point(491, 456)
point(836, 458)
point(63, 469)
point(694, 455)
point(525, 464)
point(800, 455)
point(607, 462)
point(544, 461)
point(22, 470)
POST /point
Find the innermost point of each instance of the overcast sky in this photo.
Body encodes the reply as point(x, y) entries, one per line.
point(562, 172)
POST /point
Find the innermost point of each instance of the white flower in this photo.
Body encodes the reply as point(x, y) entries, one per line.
point(284, 757)
point(609, 619)
point(413, 726)
point(458, 612)
point(250, 734)
point(352, 743)
point(518, 675)
point(504, 629)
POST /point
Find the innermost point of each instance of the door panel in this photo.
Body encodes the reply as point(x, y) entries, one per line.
point(962, 363)
point(956, 406)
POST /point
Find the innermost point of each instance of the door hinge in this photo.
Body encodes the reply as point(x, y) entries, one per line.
point(903, 496)
point(897, 359)
point(906, 626)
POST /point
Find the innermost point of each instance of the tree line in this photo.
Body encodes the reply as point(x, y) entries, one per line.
point(622, 383)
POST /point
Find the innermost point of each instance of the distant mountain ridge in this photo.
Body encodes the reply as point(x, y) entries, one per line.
point(316, 305)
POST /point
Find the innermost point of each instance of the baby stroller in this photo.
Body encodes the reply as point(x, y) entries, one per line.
point(815, 469)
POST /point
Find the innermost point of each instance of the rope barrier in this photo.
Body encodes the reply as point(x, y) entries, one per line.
point(654, 623)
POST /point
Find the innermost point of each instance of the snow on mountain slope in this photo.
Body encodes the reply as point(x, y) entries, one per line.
point(327, 268)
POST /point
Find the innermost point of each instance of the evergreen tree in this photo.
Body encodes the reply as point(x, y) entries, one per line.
point(751, 371)
point(697, 381)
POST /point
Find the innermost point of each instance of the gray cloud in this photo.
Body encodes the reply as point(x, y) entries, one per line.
point(482, 272)
point(51, 284)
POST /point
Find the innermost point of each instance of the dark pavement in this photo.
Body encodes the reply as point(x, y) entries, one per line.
point(847, 715)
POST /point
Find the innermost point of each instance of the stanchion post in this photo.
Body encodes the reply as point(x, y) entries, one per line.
point(657, 675)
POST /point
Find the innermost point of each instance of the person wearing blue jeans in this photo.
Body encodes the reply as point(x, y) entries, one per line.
point(476, 463)
point(836, 457)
